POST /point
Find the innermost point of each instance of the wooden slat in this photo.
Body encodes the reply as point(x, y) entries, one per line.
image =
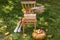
point(30, 20)
point(28, 2)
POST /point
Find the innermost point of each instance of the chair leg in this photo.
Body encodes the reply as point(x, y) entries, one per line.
point(34, 25)
point(23, 28)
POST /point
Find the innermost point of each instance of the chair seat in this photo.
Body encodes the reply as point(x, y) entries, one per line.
point(30, 16)
point(30, 20)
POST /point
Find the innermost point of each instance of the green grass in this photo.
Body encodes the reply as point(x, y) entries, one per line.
point(10, 11)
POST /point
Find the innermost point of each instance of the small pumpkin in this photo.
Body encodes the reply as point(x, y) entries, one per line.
point(39, 35)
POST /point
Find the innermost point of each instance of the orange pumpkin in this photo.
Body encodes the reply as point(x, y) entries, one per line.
point(39, 36)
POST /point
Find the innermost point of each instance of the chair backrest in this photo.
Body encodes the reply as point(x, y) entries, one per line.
point(27, 5)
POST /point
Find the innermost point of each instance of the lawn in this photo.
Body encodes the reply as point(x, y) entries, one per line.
point(49, 20)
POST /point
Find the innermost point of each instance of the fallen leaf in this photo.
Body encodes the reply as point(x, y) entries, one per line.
point(49, 36)
point(6, 33)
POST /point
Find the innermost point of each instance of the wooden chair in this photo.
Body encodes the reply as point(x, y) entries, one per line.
point(29, 16)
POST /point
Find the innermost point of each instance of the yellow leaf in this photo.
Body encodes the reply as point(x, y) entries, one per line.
point(49, 36)
point(24, 35)
point(4, 26)
point(6, 33)
point(1, 19)
point(46, 23)
point(10, 38)
point(46, 30)
point(0, 31)
point(35, 31)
